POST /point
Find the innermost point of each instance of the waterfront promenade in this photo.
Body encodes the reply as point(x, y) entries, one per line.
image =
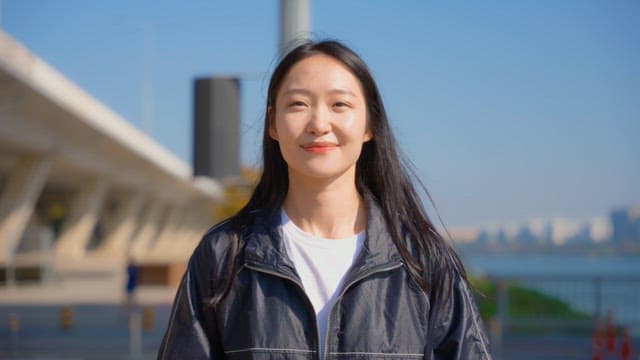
point(32, 317)
point(81, 320)
point(102, 332)
point(100, 327)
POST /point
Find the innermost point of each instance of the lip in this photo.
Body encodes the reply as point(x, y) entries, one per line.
point(319, 147)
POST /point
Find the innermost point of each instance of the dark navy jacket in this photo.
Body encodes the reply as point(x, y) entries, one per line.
point(380, 313)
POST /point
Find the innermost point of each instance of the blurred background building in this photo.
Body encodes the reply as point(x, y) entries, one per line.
point(82, 192)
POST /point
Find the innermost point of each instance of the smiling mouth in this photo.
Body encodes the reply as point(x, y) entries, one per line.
point(319, 147)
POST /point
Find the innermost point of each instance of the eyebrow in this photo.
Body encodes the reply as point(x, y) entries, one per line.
point(307, 92)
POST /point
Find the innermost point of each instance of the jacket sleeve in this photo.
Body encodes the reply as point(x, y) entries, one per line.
point(190, 330)
point(458, 329)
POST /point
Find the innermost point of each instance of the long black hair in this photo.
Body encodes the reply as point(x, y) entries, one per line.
point(431, 262)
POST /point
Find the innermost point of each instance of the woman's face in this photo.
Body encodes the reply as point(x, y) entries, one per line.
point(320, 119)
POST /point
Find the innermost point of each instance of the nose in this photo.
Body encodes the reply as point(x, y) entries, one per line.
point(319, 122)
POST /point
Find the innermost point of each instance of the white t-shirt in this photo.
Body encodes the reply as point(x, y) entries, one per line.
point(321, 264)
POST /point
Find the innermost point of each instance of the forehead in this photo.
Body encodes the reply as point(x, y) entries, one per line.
point(320, 73)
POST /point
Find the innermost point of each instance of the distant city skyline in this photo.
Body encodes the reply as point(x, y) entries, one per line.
point(509, 111)
point(619, 226)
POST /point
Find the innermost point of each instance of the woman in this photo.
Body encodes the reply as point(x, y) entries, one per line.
point(333, 256)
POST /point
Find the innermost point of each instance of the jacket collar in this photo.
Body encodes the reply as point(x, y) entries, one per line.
point(265, 247)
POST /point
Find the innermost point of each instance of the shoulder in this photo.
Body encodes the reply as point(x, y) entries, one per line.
point(215, 243)
point(218, 237)
point(226, 238)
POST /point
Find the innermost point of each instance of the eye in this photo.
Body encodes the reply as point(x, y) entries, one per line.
point(340, 105)
point(297, 104)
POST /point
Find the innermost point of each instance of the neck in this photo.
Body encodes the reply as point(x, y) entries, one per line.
point(330, 209)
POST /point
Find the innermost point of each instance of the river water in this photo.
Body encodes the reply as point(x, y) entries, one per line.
point(592, 284)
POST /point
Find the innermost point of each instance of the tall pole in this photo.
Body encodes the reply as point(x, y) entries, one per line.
point(295, 23)
point(147, 78)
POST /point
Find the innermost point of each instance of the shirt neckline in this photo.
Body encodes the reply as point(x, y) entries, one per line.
point(287, 223)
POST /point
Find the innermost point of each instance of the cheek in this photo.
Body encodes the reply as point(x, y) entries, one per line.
point(349, 121)
point(287, 134)
point(291, 124)
point(355, 123)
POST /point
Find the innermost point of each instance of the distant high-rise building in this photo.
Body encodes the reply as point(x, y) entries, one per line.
point(501, 237)
point(464, 235)
point(483, 238)
point(621, 225)
point(626, 225)
point(634, 215)
point(600, 229)
point(562, 230)
point(511, 231)
point(525, 235)
point(582, 234)
point(539, 229)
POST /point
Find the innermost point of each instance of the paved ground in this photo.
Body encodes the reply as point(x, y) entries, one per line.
point(100, 327)
point(103, 332)
point(100, 322)
point(94, 332)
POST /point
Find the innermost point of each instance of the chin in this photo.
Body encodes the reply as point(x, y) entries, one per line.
point(324, 172)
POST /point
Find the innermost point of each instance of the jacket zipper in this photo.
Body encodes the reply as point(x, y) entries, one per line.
point(300, 287)
point(344, 289)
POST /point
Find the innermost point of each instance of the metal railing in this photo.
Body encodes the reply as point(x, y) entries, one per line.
point(574, 305)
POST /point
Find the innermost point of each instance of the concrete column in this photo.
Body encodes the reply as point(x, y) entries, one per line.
point(170, 233)
point(147, 231)
point(191, 227)
point(197, 222)
point(83, 216)
point(125, 221)
point(18, 200)
point(198, 225)
point(180, 248)
point(201, 221)
point(183, 244)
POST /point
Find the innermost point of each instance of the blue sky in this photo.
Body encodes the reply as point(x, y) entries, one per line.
point(509, 110)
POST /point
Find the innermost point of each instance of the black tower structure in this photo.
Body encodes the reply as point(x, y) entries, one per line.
point(216, 123)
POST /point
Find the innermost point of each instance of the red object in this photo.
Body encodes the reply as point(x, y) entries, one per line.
point(597, 341)
point(625, 350)
point(611, 333)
